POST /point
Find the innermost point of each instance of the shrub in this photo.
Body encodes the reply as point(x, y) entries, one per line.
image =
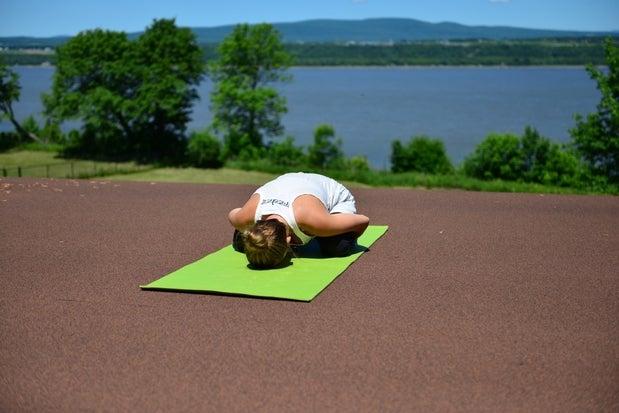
point(51, 133)
point(326, 151)
point(31, 125)
point(204, 150)
point(536, 151)
point(562, 168)
point(421, 154)
point(285, 153)
point(496, 157)
point(530, 158)
point(74, 145)
point(8, 140)
point(357, 164)
point(250, 153)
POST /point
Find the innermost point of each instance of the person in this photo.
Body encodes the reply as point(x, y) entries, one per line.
point(291, 210)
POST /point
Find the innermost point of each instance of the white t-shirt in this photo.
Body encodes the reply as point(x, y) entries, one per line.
point(277, 196)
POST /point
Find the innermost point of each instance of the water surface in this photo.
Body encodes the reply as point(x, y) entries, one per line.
point(371, 106)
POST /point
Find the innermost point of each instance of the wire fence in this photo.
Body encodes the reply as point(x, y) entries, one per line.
point(73, 169)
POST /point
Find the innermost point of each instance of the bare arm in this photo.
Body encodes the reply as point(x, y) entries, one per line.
point(334, 224)
point(316, 220)
point(241, 218)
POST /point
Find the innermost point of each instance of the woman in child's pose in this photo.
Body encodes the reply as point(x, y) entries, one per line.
point(291, 210)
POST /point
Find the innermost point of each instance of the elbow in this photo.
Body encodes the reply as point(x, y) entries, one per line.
point(232, 216)
point(363, 224)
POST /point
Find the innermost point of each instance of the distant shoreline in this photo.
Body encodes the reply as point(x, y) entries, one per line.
point(400, 66)
point(441, 66)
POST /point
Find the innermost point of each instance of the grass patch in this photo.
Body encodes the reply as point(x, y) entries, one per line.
point(455, 180)
point(45, 164)
point(48, 164)
point(16, 158)
point(197, 175)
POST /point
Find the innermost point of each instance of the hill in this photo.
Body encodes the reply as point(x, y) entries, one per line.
point(388, 30)
point(380, 30)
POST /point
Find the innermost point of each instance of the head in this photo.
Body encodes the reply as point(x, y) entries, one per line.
point(266, 244)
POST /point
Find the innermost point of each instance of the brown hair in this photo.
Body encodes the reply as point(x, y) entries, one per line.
point(265, 244)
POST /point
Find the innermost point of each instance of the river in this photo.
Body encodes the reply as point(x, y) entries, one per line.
point(371, 106)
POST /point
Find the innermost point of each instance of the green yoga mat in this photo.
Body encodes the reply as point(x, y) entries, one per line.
point(226, 272)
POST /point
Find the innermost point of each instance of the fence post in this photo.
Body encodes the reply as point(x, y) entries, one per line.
point(72, 175)
point(4, 172)
point(19, 171)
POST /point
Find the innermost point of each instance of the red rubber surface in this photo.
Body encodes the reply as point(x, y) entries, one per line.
point(471, 302)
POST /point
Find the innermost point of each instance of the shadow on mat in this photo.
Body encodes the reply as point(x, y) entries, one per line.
point(312, 250)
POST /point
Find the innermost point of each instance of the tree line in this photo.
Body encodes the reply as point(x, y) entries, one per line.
point(134, 99)
point(453, 53)
point(560, 51)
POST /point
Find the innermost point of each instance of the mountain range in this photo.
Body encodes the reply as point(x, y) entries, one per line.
point(390, 30)
point(377, 30)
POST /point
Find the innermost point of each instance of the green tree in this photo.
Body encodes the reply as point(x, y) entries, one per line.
point(9, 93)
point(133, 98)
point(496, 157)
point(421, 154)
point(170, 66)
point(326, 151)
point(204, 150)
point(94, 82)
point(596, 137)
point(245, 108)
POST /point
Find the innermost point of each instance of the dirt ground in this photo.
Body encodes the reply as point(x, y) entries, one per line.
point(471, 302)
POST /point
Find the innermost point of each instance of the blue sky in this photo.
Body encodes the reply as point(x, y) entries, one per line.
point(60, 17)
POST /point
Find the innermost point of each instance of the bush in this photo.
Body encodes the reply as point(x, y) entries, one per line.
point(74, 146)
point(286, 153)
point(204, 150)
point(562, 168)
point(8, 140)
point(530, 158)
point(326, 151)
point(357, 164)
point(536, 152)
point(51, 133)
point(421, 154)
point(31, 125)
point(250, 153)
point(496, 157)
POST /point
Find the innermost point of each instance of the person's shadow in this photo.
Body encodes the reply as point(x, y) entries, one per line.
point(313, 250)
